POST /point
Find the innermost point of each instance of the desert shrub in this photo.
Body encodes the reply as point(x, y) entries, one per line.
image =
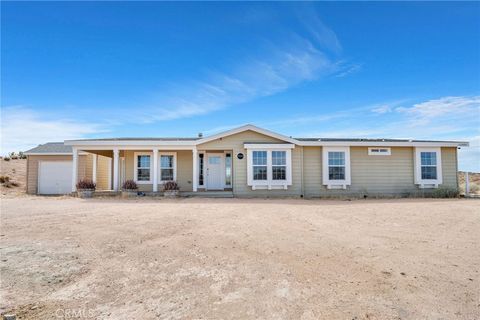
point(6, 158)
point(4, 179)
point(474, 188)
point(445, 192)
point(170, 186)
point(129, 185)
point(86, 184)
point(13, 155)
point(21, 155)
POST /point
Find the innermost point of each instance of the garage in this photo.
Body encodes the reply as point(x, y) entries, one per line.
point(54, 177)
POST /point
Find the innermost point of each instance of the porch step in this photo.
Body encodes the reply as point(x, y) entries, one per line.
point(208, 194)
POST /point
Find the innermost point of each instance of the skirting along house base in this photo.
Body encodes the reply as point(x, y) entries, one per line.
point(247, 162)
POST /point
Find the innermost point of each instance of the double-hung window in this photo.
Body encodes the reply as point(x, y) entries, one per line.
point(336, 167)
point(279, 165)
point(269, 166)
point(428, 163)
point(143, 167)
point(167, 167)
point(259, 163)
point(428, 167)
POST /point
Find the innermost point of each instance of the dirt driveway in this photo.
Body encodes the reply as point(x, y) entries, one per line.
point(240, 259)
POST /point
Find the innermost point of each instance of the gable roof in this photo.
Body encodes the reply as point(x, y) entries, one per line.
point(247, 127)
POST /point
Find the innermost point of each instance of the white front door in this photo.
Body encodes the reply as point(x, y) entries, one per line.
point(215, 176)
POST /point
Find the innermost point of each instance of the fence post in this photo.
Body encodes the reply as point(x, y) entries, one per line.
point(467, 184)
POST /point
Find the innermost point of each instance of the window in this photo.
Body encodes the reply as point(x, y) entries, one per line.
point(279, 165)
point(228, 169)
point(201, 157)
point(143, 168)
point(259, 165)
point(379, 151)
point(428, 167)
point(269, 166)
point(167, 168)
point(336, 165)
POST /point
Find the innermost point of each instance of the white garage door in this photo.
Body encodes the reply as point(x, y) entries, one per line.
point(55, 177)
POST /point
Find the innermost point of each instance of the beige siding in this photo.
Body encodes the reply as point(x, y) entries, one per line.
point(449, 167)
point(375, 175)
point(240, 188)
point(103, 175)
point(184, 169)
point(84, 162)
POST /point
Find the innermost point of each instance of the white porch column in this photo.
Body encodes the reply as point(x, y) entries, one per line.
point(116, 166)
point(195, 169)
point(94, 169)
point(74, 168)
point(155, 170)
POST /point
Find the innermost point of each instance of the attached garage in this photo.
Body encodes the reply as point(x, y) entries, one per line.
point(54, 177)
point(49, 169)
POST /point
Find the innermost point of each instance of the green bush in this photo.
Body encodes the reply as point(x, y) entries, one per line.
point(445, 192)
point(6, 159)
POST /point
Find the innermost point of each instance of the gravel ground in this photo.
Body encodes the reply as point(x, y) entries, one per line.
point(240, 259)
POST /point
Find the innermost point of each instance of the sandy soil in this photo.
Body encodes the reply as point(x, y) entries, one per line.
point(240, 259)
point(16, 170)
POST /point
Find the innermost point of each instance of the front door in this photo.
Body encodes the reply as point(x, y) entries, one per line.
point(215, 176)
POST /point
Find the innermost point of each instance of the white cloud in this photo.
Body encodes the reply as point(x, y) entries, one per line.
point(382, 109)
point(23, 129)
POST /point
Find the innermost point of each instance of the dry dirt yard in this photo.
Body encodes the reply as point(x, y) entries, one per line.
point(240, 259)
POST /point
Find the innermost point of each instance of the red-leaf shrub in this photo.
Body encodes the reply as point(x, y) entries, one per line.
point(86, 184)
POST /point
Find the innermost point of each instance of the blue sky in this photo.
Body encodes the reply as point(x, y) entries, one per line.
point(329, 69)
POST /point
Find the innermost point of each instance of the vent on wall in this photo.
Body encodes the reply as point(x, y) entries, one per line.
point(379, 151)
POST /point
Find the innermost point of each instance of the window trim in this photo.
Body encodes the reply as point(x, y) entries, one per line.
point(269, 183)
point(336, 184)
point(427, 183)
point(160, 154)
point(135, 172)
point(372, 153)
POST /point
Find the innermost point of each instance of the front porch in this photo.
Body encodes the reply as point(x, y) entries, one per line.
point(195, 171)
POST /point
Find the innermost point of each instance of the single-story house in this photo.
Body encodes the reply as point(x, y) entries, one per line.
point(248, 161)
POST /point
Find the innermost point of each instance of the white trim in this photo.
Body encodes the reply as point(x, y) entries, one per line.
point(269, 183)
point(336, 184)
point(123, 143)
point(47, 154)
point(195, 168)
point(428, 183)
point(263, 146)
point(156, 169)
point(94, 169)
point(246, 128)
point(372, 152)
point(74, 169)
point(135, 166)
point(116, 169)
point(160, 154)
point(132, 147)
point(110, 181)
point(383, 144)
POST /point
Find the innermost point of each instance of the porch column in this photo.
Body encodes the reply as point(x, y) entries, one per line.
point(195, 169)
point(74, 168)
point(155, 170)
point(116, 166)
point(94, 169)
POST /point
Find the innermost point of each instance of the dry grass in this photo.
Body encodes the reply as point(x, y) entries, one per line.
point(474, 179)
point(240, 259)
